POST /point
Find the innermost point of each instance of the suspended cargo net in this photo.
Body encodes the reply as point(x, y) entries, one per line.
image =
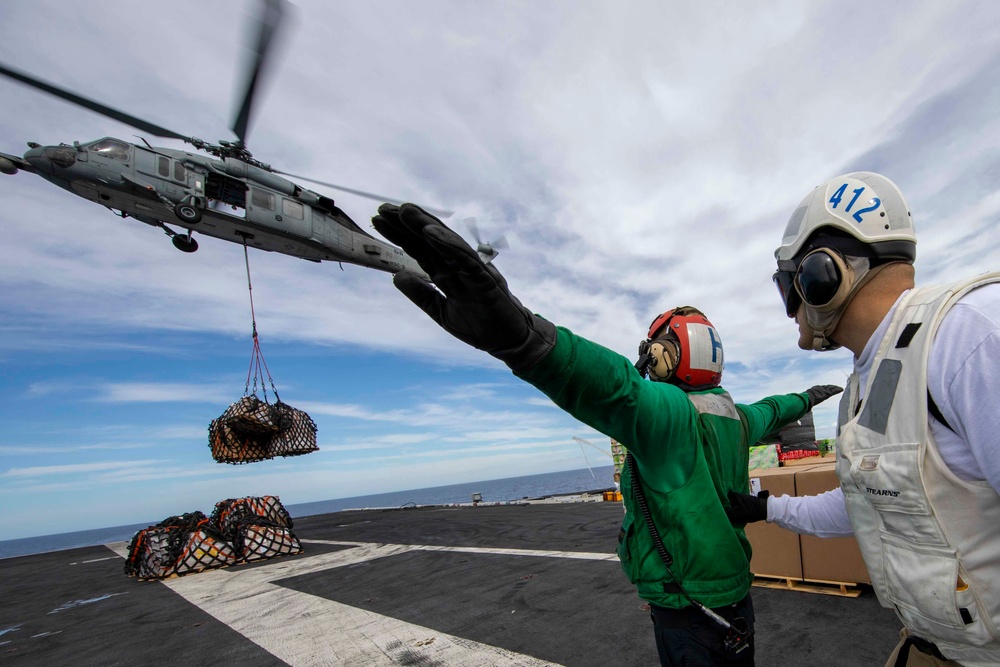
point(297, 435)
point(230, 439)
point(177, 546)
point(256, 416)
point(252, 429)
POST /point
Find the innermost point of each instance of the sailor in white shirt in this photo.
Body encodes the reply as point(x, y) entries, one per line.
point(918, 443)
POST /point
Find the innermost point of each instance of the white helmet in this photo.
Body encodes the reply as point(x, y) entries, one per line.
point(837, 239)
point(863, 204)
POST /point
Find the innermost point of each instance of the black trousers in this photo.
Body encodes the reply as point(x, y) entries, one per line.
point(689, 638)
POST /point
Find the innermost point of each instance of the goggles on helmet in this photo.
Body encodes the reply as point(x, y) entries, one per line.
point(816, 281)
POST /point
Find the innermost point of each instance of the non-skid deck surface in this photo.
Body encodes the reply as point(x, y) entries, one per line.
point(510, 585)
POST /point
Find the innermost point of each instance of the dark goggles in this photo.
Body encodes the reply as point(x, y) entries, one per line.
point(815, 280)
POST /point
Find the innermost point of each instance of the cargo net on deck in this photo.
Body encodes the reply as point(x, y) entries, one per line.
point(254, 430)
point(239, 530)
point(257, 527)
point(176, 546)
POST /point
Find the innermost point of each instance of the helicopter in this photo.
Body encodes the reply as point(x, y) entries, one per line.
point(228, 194)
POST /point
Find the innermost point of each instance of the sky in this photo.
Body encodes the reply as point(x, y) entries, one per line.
point(636, 155)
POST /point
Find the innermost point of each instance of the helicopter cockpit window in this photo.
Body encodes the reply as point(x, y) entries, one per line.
point(61, 156)
point(292, 209)
point(163, 167)
point(180, 174)
point(262, 199)
point(112, 148)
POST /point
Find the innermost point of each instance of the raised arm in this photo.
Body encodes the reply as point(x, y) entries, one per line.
point(774, 412)
point(470, 300)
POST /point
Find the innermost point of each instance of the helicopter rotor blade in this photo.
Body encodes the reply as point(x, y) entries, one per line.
point(499, 244)
point(86, 103)
point(369, 195)
point(473, 229)
point(267, 24)
point(470, 223)
point(582, 442)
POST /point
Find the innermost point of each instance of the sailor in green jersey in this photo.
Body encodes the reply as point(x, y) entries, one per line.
point(688, 441)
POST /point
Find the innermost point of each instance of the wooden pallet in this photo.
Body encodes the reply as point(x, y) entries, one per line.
point(838, 588)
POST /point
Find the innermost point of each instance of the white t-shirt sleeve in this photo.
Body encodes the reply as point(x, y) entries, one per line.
point(824, 515)
point(964, 379)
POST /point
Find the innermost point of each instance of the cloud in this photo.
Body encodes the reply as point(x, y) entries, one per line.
point(151, 392)
point(637, 156)
point(47, 450)
point(78, 468)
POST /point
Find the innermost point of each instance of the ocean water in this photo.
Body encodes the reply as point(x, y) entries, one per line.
point(493, 491)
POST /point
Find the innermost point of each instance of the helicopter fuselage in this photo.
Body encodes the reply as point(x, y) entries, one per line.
point(230, 199)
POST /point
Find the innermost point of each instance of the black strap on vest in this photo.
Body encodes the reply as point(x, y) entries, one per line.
point(936, 411)
point(909, 331)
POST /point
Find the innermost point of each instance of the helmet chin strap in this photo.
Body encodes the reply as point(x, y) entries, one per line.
point(823, 321)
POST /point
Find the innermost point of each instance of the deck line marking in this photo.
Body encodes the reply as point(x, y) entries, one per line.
point(583, 555)
point(307, 630)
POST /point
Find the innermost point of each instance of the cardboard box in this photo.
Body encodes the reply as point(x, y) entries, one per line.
point(781, 553)
point(776, 551)
point(827, 559)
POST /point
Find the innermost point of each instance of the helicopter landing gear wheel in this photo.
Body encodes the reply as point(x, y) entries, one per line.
point(187, 213)
point(184, 243)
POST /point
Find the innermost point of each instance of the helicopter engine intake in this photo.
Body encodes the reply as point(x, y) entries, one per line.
point(256, 174)
point(7, 166)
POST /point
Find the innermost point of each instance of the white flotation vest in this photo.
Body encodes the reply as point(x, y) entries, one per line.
point(930, 540)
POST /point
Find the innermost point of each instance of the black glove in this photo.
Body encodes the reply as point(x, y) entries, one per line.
point(474, 304)
point(820, 393)
point(745, 508)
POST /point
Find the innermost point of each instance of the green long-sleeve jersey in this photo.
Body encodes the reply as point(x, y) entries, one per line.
point(691, 449)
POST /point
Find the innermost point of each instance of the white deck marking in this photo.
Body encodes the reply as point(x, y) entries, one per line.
point(305, 630)
point(583, 555)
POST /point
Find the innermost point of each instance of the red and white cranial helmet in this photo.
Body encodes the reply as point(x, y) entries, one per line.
point(686, 349)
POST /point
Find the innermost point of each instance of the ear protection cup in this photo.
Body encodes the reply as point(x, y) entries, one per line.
point(665, 354)
point(824, 279)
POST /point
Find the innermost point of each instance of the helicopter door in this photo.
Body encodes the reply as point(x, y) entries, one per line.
point(187, 178)
point(294, 214)
point(265, 207)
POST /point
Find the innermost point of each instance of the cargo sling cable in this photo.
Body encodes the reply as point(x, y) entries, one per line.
point(252, 430)
point(258, 367)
